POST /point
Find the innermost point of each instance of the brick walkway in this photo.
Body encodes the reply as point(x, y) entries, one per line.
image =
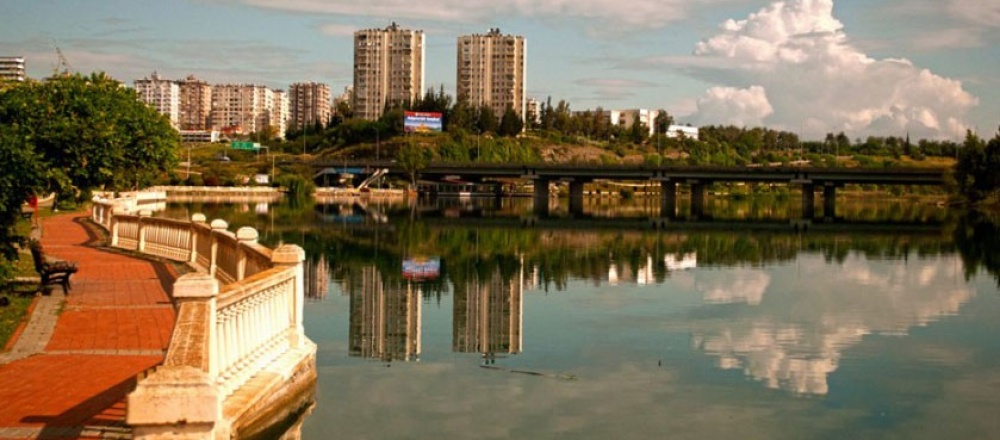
point(72, 366)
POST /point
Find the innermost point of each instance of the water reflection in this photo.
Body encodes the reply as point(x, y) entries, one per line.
point(385, 317)
point(792, 325)
point(878, 322)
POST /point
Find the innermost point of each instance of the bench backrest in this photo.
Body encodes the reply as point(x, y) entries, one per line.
point(36, 254)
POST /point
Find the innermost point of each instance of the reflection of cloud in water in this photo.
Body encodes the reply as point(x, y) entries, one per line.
point(433, 400)
point(794, 338)
point(732, 286)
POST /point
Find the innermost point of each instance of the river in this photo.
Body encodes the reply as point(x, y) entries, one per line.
point(464, 319)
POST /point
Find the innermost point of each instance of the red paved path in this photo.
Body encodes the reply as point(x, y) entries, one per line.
point(114, 325)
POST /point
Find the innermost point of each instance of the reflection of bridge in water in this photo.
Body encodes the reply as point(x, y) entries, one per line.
point(656, 223)
point(697, 179)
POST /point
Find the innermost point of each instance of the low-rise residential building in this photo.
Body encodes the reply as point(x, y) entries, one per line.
point(686, 131)
point(12, 69)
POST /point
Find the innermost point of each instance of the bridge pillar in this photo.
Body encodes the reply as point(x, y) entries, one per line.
point(576, 197)
point(698, 190)
point(830, 201)
point(541, 202)
point(668, 199)
point(808, 200)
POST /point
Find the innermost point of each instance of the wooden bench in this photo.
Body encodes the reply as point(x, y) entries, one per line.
point(51, 270)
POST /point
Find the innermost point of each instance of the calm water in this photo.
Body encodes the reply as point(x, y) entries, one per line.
point(458, 321)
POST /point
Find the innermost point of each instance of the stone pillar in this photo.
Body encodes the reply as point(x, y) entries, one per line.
point(245, 235)
point(196, 219)
point(141, 240)
point(218, 225)
point(698, 190)
point(576, 198)
point(541, 202)
point(180, 399)
point(830, 201)
point(668, 199)
point(292, 255)
point(808, 200)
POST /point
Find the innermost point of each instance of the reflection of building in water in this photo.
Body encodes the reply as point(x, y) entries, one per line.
point(685, 261)
point(488, 315)
point(385, 318)
point(317, 278)
point(643, 272)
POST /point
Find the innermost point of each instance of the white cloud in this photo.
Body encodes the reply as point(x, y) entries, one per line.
point(981, 12)
point(639, 13)
point(729, 105)
point(815, 81)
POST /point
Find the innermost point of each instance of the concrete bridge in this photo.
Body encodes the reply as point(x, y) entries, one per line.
point(698, 178)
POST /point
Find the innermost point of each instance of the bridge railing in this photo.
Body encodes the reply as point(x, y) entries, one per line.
point(239, 320)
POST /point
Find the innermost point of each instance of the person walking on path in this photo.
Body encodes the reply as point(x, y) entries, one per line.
point(69, 371)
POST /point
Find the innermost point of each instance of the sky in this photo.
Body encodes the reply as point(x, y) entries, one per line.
point(927, 68)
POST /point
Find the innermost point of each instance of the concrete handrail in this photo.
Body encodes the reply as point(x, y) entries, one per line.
point(239, 320)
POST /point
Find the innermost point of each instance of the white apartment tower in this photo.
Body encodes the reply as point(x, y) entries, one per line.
point(388, 69)
point(280, 113)
point(240, 108)
point(492, 71)
point(309, 103)
point(195, 105)
point(163, 95)
point(12, 69)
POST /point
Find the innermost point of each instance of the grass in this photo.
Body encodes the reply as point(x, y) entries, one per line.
point(12, 315)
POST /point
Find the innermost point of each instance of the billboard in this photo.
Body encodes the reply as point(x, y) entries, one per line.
point(421, 268)
point(422, 122)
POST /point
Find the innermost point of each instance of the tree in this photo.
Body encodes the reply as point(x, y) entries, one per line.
point(976, 169)
point(90, 132)
point(487, 120)
point(511, 124)
point(662, 122)
point(412, 158)
point(21, 174)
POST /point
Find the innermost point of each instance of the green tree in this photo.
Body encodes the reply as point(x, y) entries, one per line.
point(21, 174)
point(487, 121)
point(976, 169)
point(412, 158)
point(511, 123)
point(90, 132)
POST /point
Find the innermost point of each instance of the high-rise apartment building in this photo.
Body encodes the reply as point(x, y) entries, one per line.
point(241, 108)
point(163, 95)
point(195, 104)
point(388, 69)
point(492, 71)
point(309, 103)
point(279, 112)
point(12, 69)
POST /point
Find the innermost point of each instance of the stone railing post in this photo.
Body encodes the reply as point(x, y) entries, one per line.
point(181, 399)
point(245, 235)
point(141, 246)
point(115, 212)
point(218, 225)
point(292, 255)
point(196, 219)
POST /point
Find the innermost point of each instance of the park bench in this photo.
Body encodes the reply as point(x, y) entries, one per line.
point(52, 271)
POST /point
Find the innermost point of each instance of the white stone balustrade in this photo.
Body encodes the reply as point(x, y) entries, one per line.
point(239, 319)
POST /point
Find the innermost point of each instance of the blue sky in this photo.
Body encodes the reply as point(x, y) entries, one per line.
point(883, 67)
